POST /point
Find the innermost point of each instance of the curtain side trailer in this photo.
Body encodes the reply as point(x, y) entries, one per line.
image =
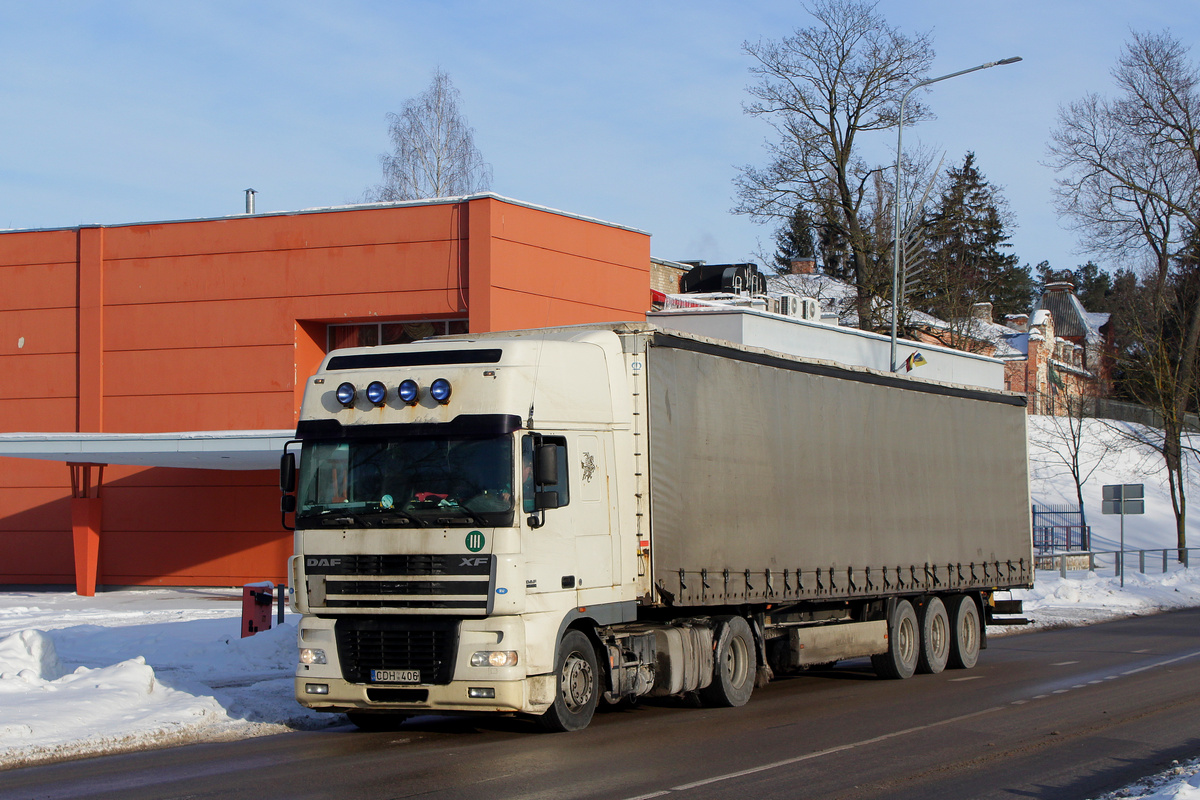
point(538, 521)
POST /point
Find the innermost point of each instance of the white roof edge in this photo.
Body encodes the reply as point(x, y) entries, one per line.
point(433, 201)
point(227, 450)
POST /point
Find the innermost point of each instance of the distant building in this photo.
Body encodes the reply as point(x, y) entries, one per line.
point(1059, 350)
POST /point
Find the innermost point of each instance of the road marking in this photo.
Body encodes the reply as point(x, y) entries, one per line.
point(970, 678)
point(1143, 650)
point(1064, 663)
point(885, 737)
point(810, 756)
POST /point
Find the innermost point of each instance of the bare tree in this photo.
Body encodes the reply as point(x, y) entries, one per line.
point(819, 89)
point(1130, 177)
point(434, 153)
point(1078, 446)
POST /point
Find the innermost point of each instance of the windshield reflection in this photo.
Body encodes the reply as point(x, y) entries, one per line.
point(415, 482)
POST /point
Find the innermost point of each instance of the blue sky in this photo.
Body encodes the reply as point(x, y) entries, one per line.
point(627, 111)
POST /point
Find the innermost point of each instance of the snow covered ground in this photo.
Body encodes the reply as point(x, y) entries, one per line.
point(139, 668)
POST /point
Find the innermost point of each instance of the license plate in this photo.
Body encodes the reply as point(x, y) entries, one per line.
point(395, 676)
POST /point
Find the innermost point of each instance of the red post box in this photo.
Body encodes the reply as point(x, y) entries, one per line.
point(256, 607)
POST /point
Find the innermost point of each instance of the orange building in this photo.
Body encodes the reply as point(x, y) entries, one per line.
point(212, 326)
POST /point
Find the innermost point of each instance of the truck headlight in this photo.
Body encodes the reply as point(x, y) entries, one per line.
point(346, 394)
point(494, 658)
point(310, 655)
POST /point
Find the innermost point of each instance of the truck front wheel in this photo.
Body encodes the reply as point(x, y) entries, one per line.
point(734, 664)
point(577, 678)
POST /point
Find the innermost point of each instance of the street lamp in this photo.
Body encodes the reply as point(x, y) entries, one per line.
point(896, 247)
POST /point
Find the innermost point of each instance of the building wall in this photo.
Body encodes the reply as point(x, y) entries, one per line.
point(215, 324)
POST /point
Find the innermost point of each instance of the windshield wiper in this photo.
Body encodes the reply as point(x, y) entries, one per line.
point(464, 512)
point(327, 516)
point(392, 514)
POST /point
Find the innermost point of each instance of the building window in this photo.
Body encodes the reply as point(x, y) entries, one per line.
point(372, 334)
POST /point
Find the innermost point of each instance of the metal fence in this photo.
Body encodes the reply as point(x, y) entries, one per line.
point(1057, 528)
point(1115, 560)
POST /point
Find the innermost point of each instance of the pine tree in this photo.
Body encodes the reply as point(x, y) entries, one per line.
point(965, 260)
point(794, 241)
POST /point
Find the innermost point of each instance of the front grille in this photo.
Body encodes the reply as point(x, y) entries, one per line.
point(433, 564)
point(367, 643)
point(440, 583)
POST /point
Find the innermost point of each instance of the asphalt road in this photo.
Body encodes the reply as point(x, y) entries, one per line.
point(1058, 714)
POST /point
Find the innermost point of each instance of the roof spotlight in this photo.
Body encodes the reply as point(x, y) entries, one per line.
point(376, 392)
point(440, 390)
point(408, 391)
point(346, 393)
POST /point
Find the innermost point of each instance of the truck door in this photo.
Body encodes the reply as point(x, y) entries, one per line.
point(573, 547)
point(595, 542)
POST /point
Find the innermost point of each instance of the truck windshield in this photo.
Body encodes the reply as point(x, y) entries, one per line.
point(413, 482)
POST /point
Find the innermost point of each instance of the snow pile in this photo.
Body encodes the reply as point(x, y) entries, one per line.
point(131, 669)
point(1086, 597)
point(1181, 782)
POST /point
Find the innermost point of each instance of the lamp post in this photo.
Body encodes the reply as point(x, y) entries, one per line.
point(896, 246)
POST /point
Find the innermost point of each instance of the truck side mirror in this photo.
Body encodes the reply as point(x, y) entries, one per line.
point(287, 503)
point(287, 473)
point(543, 500)
point(545, 470)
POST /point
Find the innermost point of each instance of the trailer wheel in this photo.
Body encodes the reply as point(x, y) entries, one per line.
point(964, 633)
point(935, 637)
point(577, 677)
point(904, 638)
point(734, 664)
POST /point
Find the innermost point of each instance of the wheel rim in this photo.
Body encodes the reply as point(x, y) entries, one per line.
point(578, 682)
point(907, 645)
point(735, 661)
point(939, 636)
point(968, 633)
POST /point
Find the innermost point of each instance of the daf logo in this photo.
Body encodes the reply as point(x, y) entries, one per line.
point(473, 562)
point(322, 562)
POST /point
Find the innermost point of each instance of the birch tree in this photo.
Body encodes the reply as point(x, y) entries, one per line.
point(433, 149)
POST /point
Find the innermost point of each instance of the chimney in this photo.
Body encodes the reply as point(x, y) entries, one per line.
point(1060, 286)
point(804, 266)
point(982, 312)
point(250, 200)
point(1018, 322)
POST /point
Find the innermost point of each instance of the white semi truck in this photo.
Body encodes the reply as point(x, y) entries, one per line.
point(535, 522)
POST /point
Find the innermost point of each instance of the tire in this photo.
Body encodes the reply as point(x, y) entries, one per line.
point(935, 637)
point(375, 720)
point(965, 633)
point(734, 664)
point(904, 644)
point(577, 679)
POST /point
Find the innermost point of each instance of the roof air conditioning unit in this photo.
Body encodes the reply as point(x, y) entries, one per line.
point(787, 304)
point(809, 309)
